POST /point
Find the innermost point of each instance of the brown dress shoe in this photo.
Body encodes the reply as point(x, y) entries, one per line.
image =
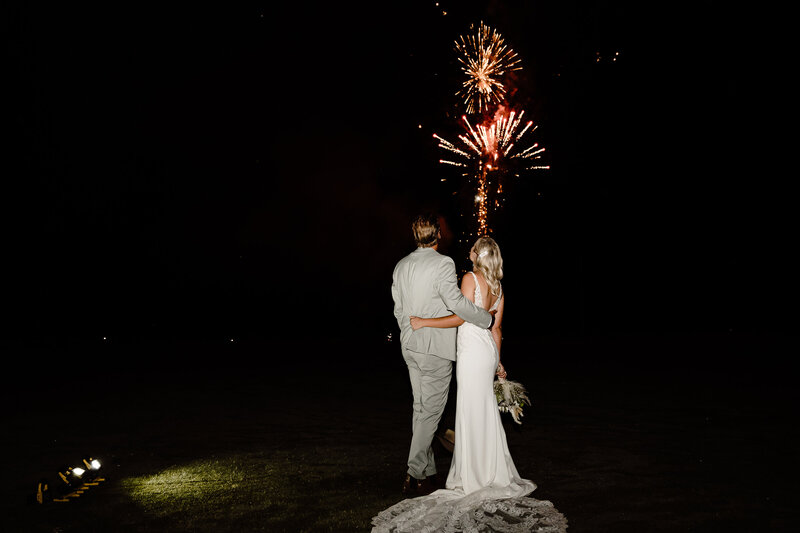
point(425, 486)
point(410, 485)
point(435, 481)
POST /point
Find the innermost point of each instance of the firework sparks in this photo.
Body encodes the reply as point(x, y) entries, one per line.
point(485, 59)
point(488, 151)
point(493, 145)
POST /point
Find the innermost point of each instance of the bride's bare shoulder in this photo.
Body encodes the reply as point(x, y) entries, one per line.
point(468, 280)
point(477, 276)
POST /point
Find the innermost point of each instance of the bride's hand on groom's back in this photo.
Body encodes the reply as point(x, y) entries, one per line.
point(416, 322)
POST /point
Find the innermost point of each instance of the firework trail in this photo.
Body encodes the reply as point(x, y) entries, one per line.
point(490, 151)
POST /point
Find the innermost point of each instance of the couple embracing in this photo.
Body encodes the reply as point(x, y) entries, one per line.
point(441, 323)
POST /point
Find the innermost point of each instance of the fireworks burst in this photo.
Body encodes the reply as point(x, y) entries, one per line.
point(491, 151)
point(484, 59)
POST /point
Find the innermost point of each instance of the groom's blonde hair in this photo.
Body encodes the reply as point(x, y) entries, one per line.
point(426, 230)
point(489, 262)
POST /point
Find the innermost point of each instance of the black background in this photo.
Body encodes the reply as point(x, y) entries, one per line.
point(246, 172)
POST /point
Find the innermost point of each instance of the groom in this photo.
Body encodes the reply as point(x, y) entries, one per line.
point(424, 284)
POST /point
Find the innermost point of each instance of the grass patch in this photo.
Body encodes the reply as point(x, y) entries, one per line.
point(316, 490)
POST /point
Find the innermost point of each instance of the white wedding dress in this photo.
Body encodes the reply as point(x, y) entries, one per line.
point(484, 491)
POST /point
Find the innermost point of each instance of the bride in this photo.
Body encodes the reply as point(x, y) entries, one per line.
point(484, 491)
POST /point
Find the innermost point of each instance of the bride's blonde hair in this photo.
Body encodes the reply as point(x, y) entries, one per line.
point(489, 262)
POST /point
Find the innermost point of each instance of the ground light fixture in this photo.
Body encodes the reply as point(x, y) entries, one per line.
point(71, 482)
point(70, 477)
point(91, 467)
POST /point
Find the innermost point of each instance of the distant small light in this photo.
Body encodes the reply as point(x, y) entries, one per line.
point(95, 464)
point(419, 126)
point(78, 471)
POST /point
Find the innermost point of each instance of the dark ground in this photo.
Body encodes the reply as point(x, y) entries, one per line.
point(626, 434)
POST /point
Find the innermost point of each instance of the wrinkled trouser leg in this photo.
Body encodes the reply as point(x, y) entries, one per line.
point(430, 384)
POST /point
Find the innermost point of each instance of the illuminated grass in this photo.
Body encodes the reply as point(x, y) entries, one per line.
point(217, 488)
point(255, 491)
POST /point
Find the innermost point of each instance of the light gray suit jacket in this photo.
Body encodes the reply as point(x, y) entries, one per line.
point(424, 284)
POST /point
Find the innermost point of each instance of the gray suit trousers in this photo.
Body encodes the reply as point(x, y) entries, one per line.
point(430, 383)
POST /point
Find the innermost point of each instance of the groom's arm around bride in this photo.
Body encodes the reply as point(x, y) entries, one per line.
point(424, 284)
point(454, 299)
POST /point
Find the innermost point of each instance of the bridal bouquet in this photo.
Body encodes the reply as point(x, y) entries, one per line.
point(511, 397)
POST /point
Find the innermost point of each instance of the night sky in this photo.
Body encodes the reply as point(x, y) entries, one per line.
point(217, 171)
